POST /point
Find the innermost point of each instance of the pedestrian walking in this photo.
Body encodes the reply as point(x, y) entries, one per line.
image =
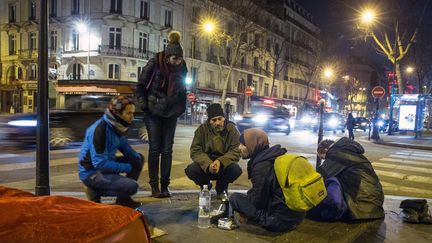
point(99, 168)
point(350, 126)
point(161, 93)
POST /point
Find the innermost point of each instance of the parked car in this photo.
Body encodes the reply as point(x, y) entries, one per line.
point(65, 127)
point(361, 123)
point(383, 125)
point(332, 121)
point(269, 118)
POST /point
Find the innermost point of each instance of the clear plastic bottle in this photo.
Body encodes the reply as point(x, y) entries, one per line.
point(204, 208)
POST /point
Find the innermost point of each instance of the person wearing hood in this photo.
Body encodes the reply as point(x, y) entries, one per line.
point(353, 176)
point(214, 152)
point(161, 94)
point(98, 166)
point(264, 203)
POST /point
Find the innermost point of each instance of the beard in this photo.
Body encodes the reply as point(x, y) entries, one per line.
point(218, 128)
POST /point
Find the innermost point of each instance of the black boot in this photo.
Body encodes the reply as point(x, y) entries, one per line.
point(165, 192)
point(92, 195)
point(155, 191)
point(128, 202)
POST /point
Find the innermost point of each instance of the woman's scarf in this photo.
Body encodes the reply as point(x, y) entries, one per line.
point(120, 125)
point(173, 74)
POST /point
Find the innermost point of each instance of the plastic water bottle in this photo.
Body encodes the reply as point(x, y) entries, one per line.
point(204, 208)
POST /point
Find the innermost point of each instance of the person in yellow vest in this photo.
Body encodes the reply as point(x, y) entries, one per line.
point(264, 203)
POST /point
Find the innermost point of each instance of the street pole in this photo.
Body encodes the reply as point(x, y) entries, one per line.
point(375, 133)
point(390, 123)
point(88, 56)
point(42, 135)
point(320, 130)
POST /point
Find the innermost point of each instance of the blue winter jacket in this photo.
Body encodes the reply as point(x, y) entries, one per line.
point(98, 152)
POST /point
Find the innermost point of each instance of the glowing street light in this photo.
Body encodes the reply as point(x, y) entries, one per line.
point(368, 16)
point(409, 69)
point(328, 72)
point(208, 26)
point(82, 27)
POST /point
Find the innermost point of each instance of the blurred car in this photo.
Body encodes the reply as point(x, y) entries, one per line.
point(65, 127)
point(332, 121)
point(267, 117)
point(383, 125)
point(361, 123)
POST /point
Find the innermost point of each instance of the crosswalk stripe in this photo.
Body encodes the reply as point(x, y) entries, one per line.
point(410, 157)
point(5, 156)
point(403, 167)
point(402, 176)
point(410, 162)
point(394, 187)
point(416, 152)
point(54, 162)
point(427, 155)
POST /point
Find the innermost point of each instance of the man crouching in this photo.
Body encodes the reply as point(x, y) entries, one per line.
point(99, 168)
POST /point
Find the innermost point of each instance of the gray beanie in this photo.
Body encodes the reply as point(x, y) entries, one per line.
point(174, 48)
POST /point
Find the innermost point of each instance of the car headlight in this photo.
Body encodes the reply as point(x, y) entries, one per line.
point(363, 123)
point(380, 123)
point(260, 118)
point(238, 117)
point(333, 123)
point(23, 123)
point(306, 120)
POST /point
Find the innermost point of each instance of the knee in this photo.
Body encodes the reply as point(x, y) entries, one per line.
point(193, 171)
point(131, 188)
point(234, 170)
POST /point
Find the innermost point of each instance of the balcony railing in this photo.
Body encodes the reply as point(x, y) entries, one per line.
point(28, 54)
point(124, 51)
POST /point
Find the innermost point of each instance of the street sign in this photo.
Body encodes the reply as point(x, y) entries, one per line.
point(378, 92)
point(248, 91)
point(191, 96)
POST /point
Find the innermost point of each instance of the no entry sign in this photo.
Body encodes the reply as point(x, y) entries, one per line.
point(378, 92)
point(248, 91)
point(191, 97)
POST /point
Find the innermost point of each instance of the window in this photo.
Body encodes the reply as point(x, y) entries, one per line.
point(267, 64)
point(142, 42)
point(275, 91)
point(75, 7)
point(20, 73)
point(32, 71)
point(32, 41)
point(168, 18)
point(164, 43)
point(12, 13)
point(75, 41)
point(139, 71)
point(113, 71)
point(268, 45)
point(255, 62)
point(266, 89)
point(53, 8)
point(228, 54)
point(76, 71)
point(144, 10)
point(257, 40)
point(32, 11)
point(115, 38)
point(195, 15)
point(53, 40)
point(12, 44)
point(116, 6)
point(241, 86)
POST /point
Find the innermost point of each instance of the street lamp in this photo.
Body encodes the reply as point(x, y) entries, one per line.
point(368, 16)
point(409, 69)
point(320, 129)
point(83, 28)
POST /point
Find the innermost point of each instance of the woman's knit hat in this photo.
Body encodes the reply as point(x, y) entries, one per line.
point(174, 48)
point(254, 139)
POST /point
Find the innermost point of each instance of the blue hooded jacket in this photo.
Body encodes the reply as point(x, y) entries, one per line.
point(98, 152)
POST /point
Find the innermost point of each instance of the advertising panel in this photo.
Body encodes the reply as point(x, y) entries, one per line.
point(407, 114)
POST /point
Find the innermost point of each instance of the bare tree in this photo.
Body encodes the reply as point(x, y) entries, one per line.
point(240, 16)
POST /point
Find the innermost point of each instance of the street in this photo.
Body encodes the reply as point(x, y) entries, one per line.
point(403, 172)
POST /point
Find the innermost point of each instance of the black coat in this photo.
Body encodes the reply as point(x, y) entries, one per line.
point(266, 194)
point(360, 185)
point(154, 100)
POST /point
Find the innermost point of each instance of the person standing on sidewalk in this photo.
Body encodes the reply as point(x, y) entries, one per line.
point(161, 93)
point(214, 152)
point(99, 168)
point(350, 126)
point(264, 203)
point(356, 189)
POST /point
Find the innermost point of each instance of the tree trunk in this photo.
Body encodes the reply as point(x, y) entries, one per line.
point(399, 78)
point(227, 76)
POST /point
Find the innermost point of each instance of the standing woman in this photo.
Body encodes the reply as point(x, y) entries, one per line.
point(350, 126)
point(161, 93)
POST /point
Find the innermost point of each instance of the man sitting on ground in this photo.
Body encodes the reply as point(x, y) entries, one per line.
point(214, 152)
point(99, 168)
point(354, 191)
point(264, 203)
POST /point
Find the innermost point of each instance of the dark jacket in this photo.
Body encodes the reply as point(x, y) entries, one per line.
point(208, 145)
point(360, 185)
point(266, 194)
point(151, 95)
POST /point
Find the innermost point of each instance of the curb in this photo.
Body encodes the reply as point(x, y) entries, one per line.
point(404, 145)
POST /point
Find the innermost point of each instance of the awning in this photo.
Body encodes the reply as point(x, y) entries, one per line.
point(92, 89)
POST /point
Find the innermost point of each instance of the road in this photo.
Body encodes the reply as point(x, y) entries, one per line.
point(403, 172)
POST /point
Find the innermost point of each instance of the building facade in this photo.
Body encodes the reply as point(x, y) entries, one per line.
point(96, 47)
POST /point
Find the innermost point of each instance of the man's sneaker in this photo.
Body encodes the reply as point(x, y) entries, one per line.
point(127, 202)
point(92, 195)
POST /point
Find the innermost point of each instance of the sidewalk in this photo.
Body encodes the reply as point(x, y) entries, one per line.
point(404, 141)
point(177, 216)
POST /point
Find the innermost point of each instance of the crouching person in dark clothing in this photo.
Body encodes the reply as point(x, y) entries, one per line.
point(214, 151)
point(264, 203)
point(99, 168)
point(354, 191)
